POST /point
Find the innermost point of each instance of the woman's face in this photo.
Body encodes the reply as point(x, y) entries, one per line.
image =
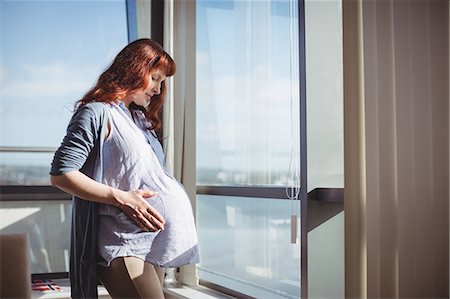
point(143, 97)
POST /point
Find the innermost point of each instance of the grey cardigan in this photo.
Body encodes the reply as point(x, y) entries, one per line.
point(81, 149)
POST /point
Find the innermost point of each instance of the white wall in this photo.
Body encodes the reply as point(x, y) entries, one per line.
point(326, 259)
point(324, 93)
point(325, 141)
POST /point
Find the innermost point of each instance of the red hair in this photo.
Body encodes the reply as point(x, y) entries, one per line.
point(128, 73)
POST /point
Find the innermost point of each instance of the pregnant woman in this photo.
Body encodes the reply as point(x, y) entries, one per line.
point(131, 219)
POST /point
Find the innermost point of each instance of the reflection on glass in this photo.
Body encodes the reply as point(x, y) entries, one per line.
point(245, 245)
point(47, 224)
point(247, 91)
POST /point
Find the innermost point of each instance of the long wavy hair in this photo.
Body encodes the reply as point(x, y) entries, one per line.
point(128, 73)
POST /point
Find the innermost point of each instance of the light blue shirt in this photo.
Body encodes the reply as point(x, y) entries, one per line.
point(132, 160)
point(82, 150)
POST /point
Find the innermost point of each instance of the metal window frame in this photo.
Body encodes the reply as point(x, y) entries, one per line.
point(157, 21)
point(273, 192)
point(131, 12)
point(303, 151)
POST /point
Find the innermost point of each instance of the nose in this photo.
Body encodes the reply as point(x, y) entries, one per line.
point(157, 89)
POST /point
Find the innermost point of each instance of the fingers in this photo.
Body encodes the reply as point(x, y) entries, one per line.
point(142, 213)
point(159, 219)
point(150, 224)
point(140, 223)
point(146, 193)
point(151, 218)
point(156, 215)
point(155, 222)
point(146, 222)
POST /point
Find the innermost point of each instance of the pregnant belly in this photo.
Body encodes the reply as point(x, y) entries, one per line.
point(170, 202)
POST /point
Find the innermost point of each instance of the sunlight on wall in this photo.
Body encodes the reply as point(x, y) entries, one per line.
point(13, 215)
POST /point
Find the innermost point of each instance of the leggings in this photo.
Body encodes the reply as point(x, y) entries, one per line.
point(130, 277)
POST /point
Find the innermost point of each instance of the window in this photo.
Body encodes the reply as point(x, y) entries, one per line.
point(47, 224)
point(247, 91)
point(245, 245)
point(51, 54)
point(248, 152)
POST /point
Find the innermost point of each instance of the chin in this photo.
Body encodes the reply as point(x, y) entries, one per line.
point(142, 103)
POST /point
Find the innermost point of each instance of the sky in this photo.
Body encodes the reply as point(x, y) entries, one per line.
point(51, 54)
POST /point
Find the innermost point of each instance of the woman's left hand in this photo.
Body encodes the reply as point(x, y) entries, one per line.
point(134, 205)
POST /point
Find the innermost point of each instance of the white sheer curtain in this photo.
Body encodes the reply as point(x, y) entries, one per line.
point(179, 108)
point(396, 132)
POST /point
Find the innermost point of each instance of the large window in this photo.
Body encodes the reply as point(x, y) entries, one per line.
point(248, 146)
point(51, 54)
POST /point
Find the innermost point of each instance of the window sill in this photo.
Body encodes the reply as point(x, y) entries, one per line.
point(180, 291)
point(171, 291)
point(64, 292)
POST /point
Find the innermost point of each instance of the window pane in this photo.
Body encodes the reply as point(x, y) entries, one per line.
point(245, 245)
point(247, 91)
point(25, 168)
point(51, 54)
point(47, 224)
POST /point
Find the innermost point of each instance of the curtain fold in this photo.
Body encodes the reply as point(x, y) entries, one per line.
point(179, 108)
point(396, 132)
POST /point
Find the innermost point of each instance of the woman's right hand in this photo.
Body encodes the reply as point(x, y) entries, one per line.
point(134, 205)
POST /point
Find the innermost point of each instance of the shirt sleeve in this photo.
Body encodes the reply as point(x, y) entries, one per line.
point(82, 132)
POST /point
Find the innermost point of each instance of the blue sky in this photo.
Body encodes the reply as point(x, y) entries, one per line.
point(51, 54)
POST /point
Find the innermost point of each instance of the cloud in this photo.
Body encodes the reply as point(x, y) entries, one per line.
point(259, 96)
point(245, 120)
point(45, 81)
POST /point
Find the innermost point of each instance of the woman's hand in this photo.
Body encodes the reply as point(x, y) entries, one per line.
point(134, 205)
